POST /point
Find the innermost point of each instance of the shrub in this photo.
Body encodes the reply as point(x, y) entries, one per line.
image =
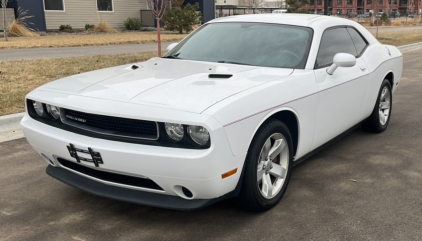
point(104, 27)
point(133, 24)
point(385, 19)
point(65, 27)
point(19, 27)
point(179, 19)
point(89, 27)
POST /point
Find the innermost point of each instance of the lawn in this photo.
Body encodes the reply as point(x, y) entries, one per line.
point(75, 40)
point(400, 38)
point(18, 78)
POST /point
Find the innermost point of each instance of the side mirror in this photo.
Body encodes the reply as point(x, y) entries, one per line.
point(341, 60)
point(171, 46)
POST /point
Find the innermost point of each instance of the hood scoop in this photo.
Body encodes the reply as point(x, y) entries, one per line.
point(220, 76)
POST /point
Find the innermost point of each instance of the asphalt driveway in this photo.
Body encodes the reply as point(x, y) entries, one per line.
point(321, 203)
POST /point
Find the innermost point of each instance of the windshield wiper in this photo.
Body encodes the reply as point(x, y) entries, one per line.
point(175, 56)
point(230, 62)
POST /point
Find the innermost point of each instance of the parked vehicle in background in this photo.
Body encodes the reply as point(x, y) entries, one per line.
point(412, 16)
point(280, 11)
point(365, 15)
point(394, 15)
point(352, 14)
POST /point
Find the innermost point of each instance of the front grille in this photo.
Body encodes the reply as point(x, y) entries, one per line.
point(108, 125)
point(111, 177)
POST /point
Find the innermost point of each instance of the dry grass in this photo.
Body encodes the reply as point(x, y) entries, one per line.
point(17, 29)
point(89, 40)
point(104, 27)
point(397, 22)
point(18, 78)
point(19, 26)
point(400, 38)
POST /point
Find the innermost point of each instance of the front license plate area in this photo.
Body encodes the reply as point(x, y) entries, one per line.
point(96, 156)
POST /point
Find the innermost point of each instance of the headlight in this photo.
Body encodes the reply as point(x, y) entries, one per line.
point(38, 108)
point(175, 131)
point(199, 134)
point(54, 111)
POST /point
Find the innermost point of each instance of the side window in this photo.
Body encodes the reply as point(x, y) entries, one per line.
point(358, 40)
point(334, 41)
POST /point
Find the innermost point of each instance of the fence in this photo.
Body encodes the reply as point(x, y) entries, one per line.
point(224, 12)
point(358, 15)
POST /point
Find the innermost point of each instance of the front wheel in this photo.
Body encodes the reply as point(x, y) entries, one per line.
point(380, 117)
point(268, 167)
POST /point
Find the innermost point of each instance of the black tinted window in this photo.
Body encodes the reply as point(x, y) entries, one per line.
point(334, 41)
point(53, 5)
point(359, 42)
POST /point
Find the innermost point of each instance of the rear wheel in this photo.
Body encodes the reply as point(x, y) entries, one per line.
point(380, 117)
point(268, 167)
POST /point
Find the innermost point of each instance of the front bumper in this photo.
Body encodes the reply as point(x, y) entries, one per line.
point(129, 195)
point(197, 170)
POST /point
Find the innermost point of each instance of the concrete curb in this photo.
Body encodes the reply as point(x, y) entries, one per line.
point(410, 47)
point(10, 122)
point(10, 128)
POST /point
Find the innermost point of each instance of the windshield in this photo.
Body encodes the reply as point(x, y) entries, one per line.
point(257, 44)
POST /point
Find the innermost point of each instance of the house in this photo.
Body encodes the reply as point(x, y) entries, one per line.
point(50, 14)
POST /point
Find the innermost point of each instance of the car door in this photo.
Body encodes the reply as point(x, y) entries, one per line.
point(342, 95)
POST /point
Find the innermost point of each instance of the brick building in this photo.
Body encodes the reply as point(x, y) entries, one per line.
point(343, 7)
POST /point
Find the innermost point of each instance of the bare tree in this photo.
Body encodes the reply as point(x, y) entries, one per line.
point(375, 8)
point(158, 9)
point(3, 5)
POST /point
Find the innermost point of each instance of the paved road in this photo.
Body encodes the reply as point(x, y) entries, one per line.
point(37, 53)
point(321, 202)
point(383, 30)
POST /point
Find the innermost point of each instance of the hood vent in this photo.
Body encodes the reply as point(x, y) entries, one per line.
point(220, 76)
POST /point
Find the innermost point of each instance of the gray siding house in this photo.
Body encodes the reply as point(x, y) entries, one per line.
point(50, 14)
point(77, 13)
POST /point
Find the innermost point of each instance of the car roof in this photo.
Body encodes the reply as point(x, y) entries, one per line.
point(289, 19)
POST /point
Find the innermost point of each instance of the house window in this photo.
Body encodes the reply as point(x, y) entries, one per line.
point(54, 5)
point(349, 2)
point(319, 2)
point(339, 2)
point(105, 5)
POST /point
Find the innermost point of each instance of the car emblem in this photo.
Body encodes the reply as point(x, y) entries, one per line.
point(75, 118)
point(96, 156)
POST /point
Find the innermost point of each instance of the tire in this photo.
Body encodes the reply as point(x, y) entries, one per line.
point(383, 107)
point(254, 194)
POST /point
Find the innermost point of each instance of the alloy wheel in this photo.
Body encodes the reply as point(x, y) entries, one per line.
point(273, 164)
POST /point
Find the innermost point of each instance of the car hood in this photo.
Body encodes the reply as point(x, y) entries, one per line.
point(170, 83)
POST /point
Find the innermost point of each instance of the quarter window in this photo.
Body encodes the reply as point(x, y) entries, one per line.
point(54, 5)
point(105, 5)
point(358, 40)
point(334, 41)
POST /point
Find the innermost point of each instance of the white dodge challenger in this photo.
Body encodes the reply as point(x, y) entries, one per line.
point(225, 113)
